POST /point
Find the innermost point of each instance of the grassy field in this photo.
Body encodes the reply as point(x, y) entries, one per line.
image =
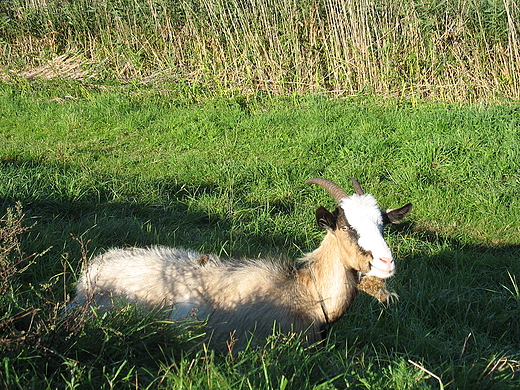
point(96, 168)
point(445, 49)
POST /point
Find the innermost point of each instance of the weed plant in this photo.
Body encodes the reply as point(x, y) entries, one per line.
point(125, 167)
point(449, 49)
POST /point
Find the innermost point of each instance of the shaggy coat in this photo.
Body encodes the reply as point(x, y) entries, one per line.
point(241, 298)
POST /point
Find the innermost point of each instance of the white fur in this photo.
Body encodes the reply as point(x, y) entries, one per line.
point(363, 214)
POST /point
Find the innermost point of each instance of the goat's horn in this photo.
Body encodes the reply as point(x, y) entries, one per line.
point(357, 186)
point(336, 191)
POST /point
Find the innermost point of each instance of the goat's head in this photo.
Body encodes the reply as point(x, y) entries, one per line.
point(357, 223)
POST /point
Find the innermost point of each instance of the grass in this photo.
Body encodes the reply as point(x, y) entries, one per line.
point(125, 166)
point(447, 50)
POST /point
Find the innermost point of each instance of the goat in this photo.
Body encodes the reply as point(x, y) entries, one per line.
point(241, 298)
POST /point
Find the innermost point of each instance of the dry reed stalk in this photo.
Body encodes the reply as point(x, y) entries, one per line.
point(404, 48)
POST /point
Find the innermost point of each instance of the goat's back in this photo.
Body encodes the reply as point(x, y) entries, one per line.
point(162, 276)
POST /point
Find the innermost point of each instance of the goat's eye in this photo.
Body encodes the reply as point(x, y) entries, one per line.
point(347, 228)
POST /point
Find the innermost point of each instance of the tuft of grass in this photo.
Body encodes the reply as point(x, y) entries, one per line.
point(12, 260)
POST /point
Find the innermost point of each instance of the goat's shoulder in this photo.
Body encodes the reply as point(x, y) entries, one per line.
point(269, 264)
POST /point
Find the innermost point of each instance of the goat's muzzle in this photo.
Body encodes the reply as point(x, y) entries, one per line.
point(384, 267)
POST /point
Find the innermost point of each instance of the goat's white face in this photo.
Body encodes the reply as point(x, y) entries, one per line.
point(358, 222)
point(366, 219)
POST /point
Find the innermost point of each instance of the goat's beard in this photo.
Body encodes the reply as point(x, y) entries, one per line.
point(374, 286)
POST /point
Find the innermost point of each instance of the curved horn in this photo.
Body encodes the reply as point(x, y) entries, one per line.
point(357, 187)
point(336, 191)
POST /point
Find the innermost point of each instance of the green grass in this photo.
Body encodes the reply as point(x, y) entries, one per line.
point(127, 166)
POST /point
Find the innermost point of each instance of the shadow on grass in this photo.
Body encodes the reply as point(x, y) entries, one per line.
point(458, 311)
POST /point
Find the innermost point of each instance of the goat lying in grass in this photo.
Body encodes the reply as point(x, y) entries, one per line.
point(241, 298)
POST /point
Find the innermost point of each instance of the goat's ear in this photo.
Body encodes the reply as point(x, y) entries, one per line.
point(396, 215)
point(325, 219)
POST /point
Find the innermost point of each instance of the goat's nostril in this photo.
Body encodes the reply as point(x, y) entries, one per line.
point(386, 260)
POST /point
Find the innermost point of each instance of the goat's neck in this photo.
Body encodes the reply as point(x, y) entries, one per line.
point(333, 284)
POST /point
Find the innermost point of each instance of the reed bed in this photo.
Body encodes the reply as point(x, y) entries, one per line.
point(448, 49)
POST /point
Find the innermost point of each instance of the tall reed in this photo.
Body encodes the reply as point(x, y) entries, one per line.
point(448, 49)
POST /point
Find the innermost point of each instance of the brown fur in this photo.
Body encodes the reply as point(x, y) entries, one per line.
point(237, 298)
point(374, 286)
